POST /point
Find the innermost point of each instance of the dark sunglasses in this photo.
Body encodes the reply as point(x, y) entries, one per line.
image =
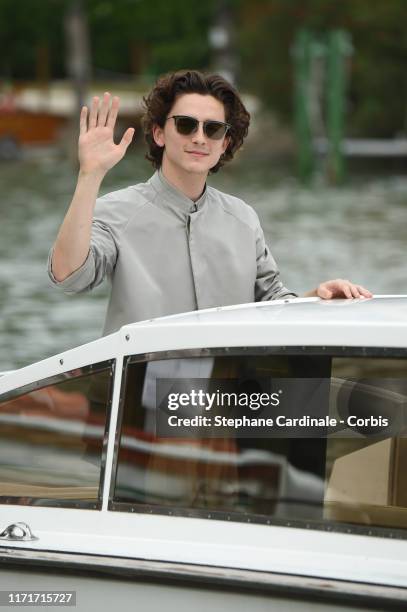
point(186, 125)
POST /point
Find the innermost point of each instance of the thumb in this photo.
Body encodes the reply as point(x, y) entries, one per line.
point(127, 138)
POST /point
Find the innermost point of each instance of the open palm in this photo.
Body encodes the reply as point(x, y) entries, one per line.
point(97, 149)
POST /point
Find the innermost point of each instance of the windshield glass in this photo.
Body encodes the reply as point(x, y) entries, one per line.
point(286, 438)
point(52, 436)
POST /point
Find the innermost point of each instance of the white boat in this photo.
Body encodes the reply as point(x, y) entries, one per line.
point(114, 486)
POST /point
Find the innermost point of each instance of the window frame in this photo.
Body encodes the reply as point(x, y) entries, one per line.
point(320, 351)
point(93, 368)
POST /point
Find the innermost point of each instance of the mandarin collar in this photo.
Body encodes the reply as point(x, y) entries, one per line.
point(173, 196)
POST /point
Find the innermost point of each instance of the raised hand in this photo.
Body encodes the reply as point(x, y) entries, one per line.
point(97, 150)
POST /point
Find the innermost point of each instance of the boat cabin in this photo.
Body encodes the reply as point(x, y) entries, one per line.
point(262, 446)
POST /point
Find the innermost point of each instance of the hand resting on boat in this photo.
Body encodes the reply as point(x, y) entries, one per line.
point(339, 288)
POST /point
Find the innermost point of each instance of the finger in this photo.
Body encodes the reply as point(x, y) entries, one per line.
point(354, 290)
point(347, 291)
point(83, 120)
point(111, 120)
point(94, 112)
point(104, 109)
point(324, 293)
point(127, 138)
point(364, 292)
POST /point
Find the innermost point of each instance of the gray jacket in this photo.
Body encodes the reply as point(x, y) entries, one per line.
point(166, 254)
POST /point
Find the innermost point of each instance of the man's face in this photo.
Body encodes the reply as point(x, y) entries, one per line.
point(194, 153)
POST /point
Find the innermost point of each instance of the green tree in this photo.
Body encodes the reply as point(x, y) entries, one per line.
point(377, 99)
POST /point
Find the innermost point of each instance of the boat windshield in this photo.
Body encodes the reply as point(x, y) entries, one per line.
point(52, 437)
point(297, 437)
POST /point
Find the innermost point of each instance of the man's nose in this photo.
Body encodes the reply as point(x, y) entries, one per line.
point(199, 135)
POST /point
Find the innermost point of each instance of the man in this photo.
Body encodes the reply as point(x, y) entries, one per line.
point(173, 244)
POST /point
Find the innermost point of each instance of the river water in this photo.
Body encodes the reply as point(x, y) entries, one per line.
point(358, 231)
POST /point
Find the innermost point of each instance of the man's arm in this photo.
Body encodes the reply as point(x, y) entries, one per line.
point(73, 241)
point(97, 155)
point(268, 284)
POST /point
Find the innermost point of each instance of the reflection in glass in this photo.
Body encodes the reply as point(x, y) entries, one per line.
point(349, 477)
point(366, 475)
point(272, 477)
point(51, 440)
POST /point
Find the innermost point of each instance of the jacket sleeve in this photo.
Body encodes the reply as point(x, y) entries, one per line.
point(268, 284)
point(103, 252)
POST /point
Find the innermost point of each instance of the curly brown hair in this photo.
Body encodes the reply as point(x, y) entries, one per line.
point(160, 100)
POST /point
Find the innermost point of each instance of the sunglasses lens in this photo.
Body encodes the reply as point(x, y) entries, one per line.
point(215, 129)
point(186, 125)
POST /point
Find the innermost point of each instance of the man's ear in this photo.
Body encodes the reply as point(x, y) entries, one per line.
point(226, 143)
point(158, 135)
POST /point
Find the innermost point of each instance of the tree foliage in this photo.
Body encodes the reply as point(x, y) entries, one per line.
point(126, 35)
point(146, 38)
point(377, 98)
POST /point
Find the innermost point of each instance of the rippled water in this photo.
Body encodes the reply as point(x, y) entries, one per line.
point(357, 232)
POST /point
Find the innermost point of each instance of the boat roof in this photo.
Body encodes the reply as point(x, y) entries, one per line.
point(379, 309)
point(378, 322)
